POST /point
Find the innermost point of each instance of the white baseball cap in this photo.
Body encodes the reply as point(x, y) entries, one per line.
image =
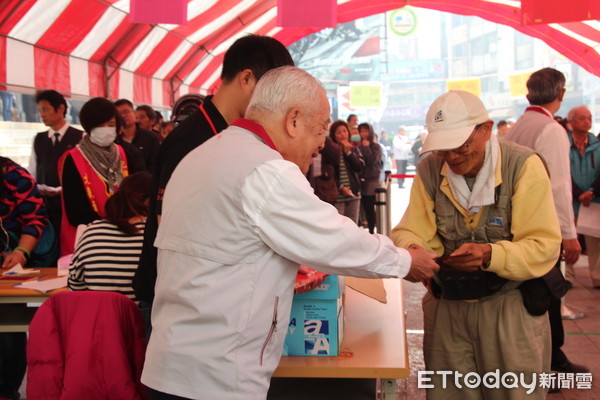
point(451, 120)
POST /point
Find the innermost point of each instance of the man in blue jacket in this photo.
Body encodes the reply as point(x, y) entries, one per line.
point(585, 172)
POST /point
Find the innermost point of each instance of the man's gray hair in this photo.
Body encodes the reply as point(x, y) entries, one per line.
point(573, 111)
point(283, 88)
point(544, 86)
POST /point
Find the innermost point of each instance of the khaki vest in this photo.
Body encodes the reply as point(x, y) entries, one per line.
point(495, 222)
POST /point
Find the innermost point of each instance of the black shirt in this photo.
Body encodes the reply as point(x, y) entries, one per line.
point(188, 135)
point(135, 158)
point(147, 142)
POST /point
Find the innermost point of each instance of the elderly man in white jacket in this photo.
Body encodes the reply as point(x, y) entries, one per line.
point(238, 218)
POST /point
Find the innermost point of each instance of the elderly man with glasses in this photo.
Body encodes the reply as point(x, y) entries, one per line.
point(485, 207)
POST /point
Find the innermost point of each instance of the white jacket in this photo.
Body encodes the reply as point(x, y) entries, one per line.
point(237, 220)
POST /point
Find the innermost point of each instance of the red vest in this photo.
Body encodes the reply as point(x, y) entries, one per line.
point(96, 191)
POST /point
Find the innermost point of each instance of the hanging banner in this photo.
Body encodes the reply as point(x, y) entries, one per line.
point(306, 13)
point(557, 11)
point(468, 85)
point(158, 12)
point(365, 94)
point(518, 84)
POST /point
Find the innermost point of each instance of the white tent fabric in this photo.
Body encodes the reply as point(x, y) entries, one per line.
point(90, 48)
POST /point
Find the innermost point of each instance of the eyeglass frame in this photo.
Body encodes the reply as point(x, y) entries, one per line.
point(463, 148)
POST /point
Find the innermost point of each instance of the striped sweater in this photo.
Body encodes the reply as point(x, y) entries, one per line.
point(106, 259)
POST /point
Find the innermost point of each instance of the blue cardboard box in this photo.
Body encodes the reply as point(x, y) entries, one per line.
point(317, 321)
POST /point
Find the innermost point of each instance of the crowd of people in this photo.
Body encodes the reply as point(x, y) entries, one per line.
point(203, 222)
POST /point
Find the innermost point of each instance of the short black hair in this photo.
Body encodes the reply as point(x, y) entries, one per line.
point(350, 117)
point(500, 123)
point(544, 86)
point(257, 53)
point(120, 102)
point(97, 111)
point(54, 98)
point(148, 110)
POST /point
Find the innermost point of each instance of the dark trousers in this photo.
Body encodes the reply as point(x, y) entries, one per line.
point(558, 333)
point(368, 205)
point(401, 169)
point(146, 311)
point(156, 395)
point(557, 330)
point(13, 363)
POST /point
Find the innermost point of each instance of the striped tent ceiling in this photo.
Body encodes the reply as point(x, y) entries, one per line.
point(90, 48)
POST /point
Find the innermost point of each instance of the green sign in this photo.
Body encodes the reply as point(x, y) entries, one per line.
point(403, 21)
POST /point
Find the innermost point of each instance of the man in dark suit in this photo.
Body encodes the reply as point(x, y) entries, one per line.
point(48, 147)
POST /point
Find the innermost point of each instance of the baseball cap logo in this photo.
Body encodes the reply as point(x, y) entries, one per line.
point(439, 116)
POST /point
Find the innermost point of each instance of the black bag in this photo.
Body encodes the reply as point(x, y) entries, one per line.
point(454, 284)
point(326, 188)
point(325, 185)
point(536, 296)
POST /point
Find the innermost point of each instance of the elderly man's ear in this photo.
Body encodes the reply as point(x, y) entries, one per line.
point(292, 119)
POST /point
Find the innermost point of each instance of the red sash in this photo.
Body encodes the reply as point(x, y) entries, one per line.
point(540, 110)
point(96, 191)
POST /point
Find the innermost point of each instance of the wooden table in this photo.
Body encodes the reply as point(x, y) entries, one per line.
point(15, 314)
point(375, 334)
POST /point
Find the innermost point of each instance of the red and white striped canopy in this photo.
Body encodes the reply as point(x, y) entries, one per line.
point(90, 47)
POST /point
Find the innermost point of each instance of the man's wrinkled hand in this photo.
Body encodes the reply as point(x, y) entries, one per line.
point(423, 266)
point(469, 256)
point(571, 250)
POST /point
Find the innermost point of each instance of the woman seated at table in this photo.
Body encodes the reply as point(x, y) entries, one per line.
point(92, 171)
point(109, 249)
point(23, 222)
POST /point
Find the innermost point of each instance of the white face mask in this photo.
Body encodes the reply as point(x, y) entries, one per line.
point(103, 136)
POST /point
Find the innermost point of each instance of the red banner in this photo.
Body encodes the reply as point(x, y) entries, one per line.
point(158, 12)
point(306, 13)
point(556, 11)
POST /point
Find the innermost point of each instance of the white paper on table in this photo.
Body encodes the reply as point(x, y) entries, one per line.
point(18, 270)
point(63, 265)
point(44, 286)
point(588, 221)
point(50, 189)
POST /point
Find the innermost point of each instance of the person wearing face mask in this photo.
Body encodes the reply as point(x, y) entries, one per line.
point(92, 171)
point(347, 164)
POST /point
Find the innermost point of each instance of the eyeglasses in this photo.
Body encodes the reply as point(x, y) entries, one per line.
point(464, 149)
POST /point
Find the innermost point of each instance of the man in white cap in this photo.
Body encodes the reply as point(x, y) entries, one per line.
point(485, 207)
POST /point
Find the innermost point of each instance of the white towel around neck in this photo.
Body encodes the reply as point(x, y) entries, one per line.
point(483, 189)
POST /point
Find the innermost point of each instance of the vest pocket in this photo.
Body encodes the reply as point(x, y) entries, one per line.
point(497, 224)
point(272, 330)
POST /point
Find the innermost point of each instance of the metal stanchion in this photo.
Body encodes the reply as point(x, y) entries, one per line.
point(381, 206)
point(565, 311)
point(383, 210)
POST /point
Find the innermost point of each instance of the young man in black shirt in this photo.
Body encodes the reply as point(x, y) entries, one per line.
point(244, 63)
